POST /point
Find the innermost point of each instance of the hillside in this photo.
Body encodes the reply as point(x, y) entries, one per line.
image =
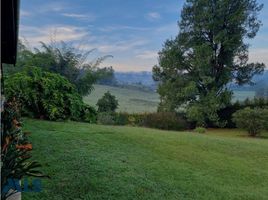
point(108, 162)
point(145, 78)
point(130, 100)
point(137, 101)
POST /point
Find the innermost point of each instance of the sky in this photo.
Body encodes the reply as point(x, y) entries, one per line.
point(132, 31)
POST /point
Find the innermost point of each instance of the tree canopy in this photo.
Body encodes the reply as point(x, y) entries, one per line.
point(108, 103)
point(64, 59)
point(209, 52)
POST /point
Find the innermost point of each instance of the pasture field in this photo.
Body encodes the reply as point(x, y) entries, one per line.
point(88, 161)
point(130, 100)
point(242, 95)
point(138, 101)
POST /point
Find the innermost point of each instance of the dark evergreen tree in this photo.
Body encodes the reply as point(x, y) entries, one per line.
point(209, 52)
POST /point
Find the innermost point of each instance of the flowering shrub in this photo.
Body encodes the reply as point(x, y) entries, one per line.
point(15, 149)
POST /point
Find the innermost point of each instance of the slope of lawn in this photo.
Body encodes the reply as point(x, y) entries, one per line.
point(108, 162)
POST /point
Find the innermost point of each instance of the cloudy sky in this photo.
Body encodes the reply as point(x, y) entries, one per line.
point(133, 31)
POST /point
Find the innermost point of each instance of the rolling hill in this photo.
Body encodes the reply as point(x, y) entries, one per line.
point(130, 100)
point(133, 100)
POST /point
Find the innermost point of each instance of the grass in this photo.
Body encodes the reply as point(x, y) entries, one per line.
point(130, 100)
point(138, 101)
point(108, 162)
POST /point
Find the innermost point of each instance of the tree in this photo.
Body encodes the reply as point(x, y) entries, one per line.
point(208, 53)
point(70, 62)
point(107, 103)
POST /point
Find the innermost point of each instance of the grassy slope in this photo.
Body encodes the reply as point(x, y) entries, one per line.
point(103, 162)
point(136, 101)
point(130, 100)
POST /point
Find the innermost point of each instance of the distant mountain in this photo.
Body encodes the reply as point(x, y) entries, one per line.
point(144, 78)
point(259, 81)
point(263, 78)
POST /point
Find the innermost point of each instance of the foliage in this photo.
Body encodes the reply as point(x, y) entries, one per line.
point(15, 163)
point(226, 113)
point(165, 120)
point(208, 53)
point(253, 120)
point(200, 130)
point(106, 118)
point(44, 94)
point(121, 118)
point(66, 60)
point(137, 119)
point(89, 114)
point(108, 103)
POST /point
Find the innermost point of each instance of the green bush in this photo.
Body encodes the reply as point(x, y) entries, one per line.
point(137, 119)
point(200, 130)
point(253, 120)
point(107, 103)
point(44, 94)
point(165, 120)
point(89, 114)
point(121, 118)
point(106, 118)
point(226, 113)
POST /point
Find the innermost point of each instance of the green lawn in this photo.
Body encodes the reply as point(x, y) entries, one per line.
point(108, 162)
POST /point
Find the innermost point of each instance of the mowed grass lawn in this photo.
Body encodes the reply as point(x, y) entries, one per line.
point(108, 162)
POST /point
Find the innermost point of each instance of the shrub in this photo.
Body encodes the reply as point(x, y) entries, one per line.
point(107, 103)
point(89, 114)
point(226, 113)
point(121, 118)
point(106, 118)
point(136, 119)
point(166, 121)
point(44, 94)
point(200, 130)
point(253, 120)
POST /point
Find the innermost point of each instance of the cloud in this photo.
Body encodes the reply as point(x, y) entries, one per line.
point(153, 16)
point(58, 32)
point(88, 17)
point(53, 7)
point(148, 55)
point(259, 55)
point(123, 27)
point(121, 46)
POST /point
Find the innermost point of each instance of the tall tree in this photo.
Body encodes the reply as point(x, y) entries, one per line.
point(209, 52)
